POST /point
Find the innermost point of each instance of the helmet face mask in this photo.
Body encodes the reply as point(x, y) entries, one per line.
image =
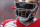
point(24, 12)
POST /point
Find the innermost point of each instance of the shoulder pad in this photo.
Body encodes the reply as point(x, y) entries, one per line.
point(8, 21)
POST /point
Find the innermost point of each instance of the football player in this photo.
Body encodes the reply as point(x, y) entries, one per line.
point(25, 11)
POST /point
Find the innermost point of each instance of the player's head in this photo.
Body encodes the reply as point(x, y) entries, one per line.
point(26, 10)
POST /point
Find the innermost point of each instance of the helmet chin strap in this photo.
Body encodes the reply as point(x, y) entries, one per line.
point(26, 23)
point(26, 20)
point(30, 19)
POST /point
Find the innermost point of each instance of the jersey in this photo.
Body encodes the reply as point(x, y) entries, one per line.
point(16, 23)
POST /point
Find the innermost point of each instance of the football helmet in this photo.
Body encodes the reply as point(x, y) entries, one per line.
point(24, 10)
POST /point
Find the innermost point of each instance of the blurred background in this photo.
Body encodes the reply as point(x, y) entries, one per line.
point(6, 12)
